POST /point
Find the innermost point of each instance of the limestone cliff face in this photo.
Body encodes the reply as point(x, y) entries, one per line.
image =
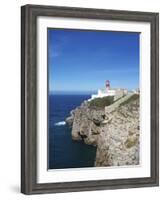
point(114, 129)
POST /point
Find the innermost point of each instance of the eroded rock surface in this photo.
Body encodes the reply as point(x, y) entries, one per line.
point(113, 129)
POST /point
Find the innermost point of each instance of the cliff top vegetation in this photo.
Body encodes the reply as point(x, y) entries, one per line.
point(101, 102)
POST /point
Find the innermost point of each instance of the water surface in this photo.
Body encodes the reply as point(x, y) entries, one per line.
point(63, 151)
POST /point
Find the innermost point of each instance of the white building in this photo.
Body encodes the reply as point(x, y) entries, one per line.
point(103, 93)
point(117, 93)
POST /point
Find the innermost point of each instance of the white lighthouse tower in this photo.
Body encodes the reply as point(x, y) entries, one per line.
point(107, 85)
point(107, 91)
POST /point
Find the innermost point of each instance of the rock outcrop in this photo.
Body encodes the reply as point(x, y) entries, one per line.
point(114, 129)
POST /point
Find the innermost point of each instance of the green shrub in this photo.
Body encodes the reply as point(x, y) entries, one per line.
point(102, 102)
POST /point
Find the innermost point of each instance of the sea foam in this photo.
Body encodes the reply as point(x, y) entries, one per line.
point(62, 123)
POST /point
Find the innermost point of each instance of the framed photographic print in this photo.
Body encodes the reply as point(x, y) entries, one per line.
point(89, 99)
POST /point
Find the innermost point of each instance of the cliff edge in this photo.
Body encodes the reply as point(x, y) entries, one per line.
point(112, 126)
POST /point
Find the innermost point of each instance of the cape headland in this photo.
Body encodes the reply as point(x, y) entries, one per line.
point(112, 124)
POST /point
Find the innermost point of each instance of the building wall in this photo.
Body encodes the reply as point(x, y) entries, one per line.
point(104, 93)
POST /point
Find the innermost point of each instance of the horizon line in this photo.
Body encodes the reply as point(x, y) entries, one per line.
point(80, 91)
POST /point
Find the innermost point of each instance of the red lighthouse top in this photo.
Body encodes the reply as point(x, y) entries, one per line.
point(107, 84)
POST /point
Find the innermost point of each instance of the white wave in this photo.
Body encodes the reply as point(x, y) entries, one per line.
point(62, 123)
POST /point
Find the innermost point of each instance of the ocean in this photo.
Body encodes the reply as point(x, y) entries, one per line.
point(63, 152)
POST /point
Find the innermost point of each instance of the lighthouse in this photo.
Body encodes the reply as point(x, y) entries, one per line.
point(107, 85)
point(108, 91)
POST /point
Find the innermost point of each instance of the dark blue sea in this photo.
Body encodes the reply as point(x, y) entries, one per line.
point(63, 151)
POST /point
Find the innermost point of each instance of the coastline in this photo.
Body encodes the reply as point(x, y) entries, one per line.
point(63, 151)
point(114, 129)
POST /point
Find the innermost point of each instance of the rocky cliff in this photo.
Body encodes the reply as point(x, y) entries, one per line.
point(112, 126)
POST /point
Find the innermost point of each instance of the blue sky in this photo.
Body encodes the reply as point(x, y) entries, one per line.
point(82, 60)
